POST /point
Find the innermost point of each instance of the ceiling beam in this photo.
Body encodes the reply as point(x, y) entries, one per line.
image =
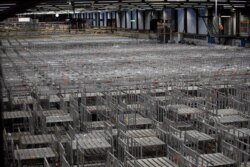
point(22, 6)
point(18, 8)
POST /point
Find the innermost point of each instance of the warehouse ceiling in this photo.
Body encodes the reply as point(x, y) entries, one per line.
point(10, 7)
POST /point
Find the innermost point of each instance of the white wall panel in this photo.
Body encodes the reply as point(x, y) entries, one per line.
point(148, 19)
point(123, 19)
point(140, 20)
point(180, 20)
point(191, 21)
point(118, 20)
point(128, 20)
point(201, 24)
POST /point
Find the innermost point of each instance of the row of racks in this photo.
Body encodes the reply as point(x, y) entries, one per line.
point(179, 126)
point(124, 103)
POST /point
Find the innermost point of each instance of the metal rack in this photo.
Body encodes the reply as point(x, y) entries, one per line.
point(34, 141)
point(18, 120)
point(120, 102)
point(33, 156)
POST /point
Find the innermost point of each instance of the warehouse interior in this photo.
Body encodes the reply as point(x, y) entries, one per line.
point(125, 83)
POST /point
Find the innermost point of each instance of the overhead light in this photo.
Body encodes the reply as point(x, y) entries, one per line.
point(24, 19)
point(228, 6)
point(4, 7)
point(239, 1)
point(57, 15)
point(225, 16)
point(239, 6)
point(199, 7)
point(7, 4)
point(44, 5)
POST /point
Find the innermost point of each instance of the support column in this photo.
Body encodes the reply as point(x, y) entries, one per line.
point(144, 19)
point(237, 23)
point(111, 17)
point(185, 20)
point(106, 19)
point(137, 20)
point(116, 20)
point(125, 20)
point(92, 17)
point(120, 17)
point(176, 20)
point(98, 20)
point(197, 21)
point(103, 21)
point(131, 18)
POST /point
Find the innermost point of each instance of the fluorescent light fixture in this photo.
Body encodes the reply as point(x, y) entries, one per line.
point(176, 0)
point(23, 19)
point(199, 6)
point(218, 0)
point(44, 5)
point(62, 5)
point(225, 16)
point(239, 1)
point(227, 6)
point(239, 6)
point(7, 4)
point(131, 0)
point(154, 0)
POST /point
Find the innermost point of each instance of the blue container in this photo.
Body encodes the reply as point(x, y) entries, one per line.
point(211, 40)
point(244, 42)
